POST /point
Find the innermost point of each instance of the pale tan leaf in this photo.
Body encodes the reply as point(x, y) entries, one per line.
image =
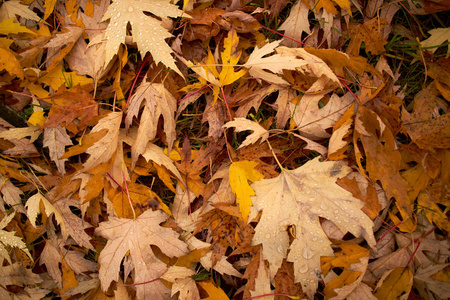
point(257, 63)
point(222, 266)
point(33, 209)
point(182, 282)
point(175, 272)
point(314, 146)
point(70, 35)
point(157, 155)
point(22, 147)
point(158, 102)
point(51, 258)
point(86, 60)
point(85, 286)
point(147, 30)
point(282, 104)
point(74, 225)
point(296, 24)
point(35, 293)
point(262, 282)
point(242, 124)
point(56, 139)
point(181, 209)
point(345, 291)
point(362, 291)
point(15, 274)
point(135, 237)
point(337, 142)
point(9, 239)
point(313, 121)
point(19, 133)
point(315, 65)
point(103, 150)
point(77, 262)
point(425, 283)
point(10, 195)
point(437, 37)
point(187, 288)
point(388, 262)
point(256, 99)
point(12, 8)
point(298, 198)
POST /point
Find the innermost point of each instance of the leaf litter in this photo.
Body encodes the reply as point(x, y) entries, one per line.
point(198, 150)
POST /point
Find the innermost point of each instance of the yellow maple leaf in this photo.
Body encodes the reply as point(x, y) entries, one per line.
point(8, 27)
point(208, 71)
point(57, 77)
point(9, 62)
point(395, 283)
point(240, 173)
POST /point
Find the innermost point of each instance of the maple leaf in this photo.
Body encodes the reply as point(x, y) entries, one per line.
point(12, 8)
point(298, 198)
point(229, 56)
point(9, 62)
point(182, 282)
point(9, 239)
point(437, 37)
point(296, 24)
point(136, 236)
point(395, 283)
point(312, 120)
point(56, 139)
point(240, 173)
point(314, 65)
point(33, 209)
point(369, 33)
point(426, 128)
point(158, 101)
point(147, 30)
point(192, 167)
point(257, 63)
point(242, 124)
point(9, 27)
point(214, 292)
point(11, 195)
point(104, 149)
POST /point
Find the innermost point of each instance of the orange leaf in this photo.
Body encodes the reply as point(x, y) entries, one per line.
point(214, 292)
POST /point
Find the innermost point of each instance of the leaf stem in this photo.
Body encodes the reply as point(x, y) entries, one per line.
point(226, 103)
point(273, 153)
point(127, 191)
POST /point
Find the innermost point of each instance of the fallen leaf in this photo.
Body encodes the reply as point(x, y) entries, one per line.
point(395, 284)
point(147, 30)
point(240, 173)
point(135, 237)
point(437, 37)
point(157, 101)
point(257, 63)
point(306, 193)
point(8, 238)
point(242, 124)
point(214, 292)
